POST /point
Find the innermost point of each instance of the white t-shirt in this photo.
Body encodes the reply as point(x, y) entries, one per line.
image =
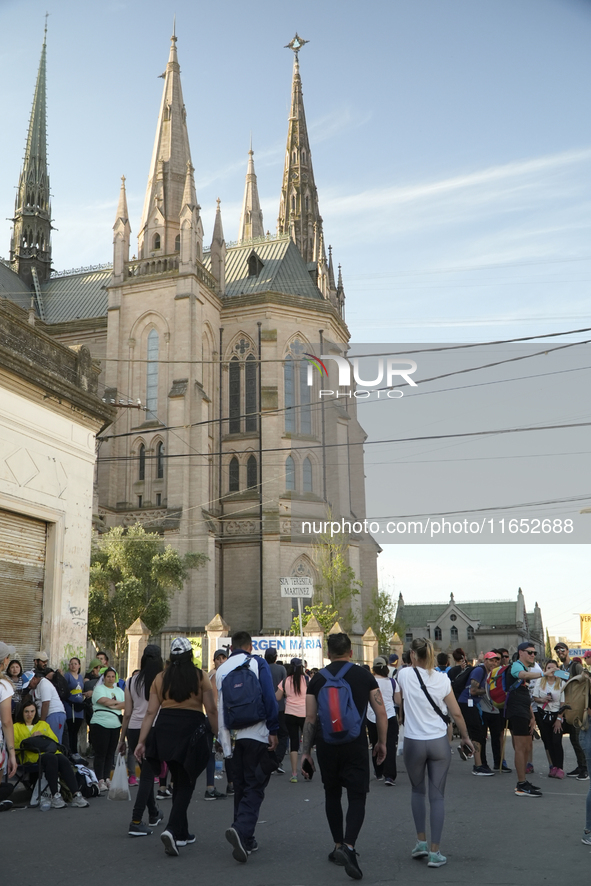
point(534, 667)
point(557, 695)
point(6, 691)
point(420, 720)
point(387, 690)
point(46, 691)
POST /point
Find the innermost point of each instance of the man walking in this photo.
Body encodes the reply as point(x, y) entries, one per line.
point(278, 674)
point(520, 715)
point(254, 719)
point(346, 764)
point(48, 704)
point(574, 668)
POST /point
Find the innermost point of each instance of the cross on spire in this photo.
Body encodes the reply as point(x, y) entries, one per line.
point(296, 44)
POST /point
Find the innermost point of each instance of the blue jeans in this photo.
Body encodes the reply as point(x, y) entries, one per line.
point(56, 723)
point(585, 742)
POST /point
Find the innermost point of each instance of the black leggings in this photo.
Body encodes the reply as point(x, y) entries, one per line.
point(56, 766)
point(334, 813)
point(145, 791)
point(73, 730)
point(182, 791)
point(294, 725)
point(388, 767)
point(104, 742)
point(552, 740)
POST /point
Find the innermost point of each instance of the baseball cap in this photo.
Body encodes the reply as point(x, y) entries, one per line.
point(42, 656)
point(296, 662)
point(219, 652)
point(587, 654)
point(380, 662)
point(95, 663)
point(393, 658)
point(180, 645)
point(152, 650)
point(561, 646)
point(523, 646)
point(6, 650)
point(494, 654)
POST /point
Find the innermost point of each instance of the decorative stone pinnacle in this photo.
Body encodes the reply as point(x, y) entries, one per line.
point(296, 44)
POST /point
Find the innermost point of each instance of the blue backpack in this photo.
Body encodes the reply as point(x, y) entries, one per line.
point(243, 697)
point(339, 717)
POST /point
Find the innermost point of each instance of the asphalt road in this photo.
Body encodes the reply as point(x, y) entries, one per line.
point(491, 837)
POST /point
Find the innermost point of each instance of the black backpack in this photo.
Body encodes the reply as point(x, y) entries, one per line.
point(461, 681)
point(60, 685)
point(243, 697)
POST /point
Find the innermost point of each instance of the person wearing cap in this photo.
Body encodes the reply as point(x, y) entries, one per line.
point(48, 702)
point(520, 714)
point(293, 690)
point(7, 755)
point(393, 664)
point(494, 719)
point(474, 701)
point(211, 792)
point(137, 695)
point(573, 668)
point(251, 758)
point(386, 770)
point(278, 674)
point(180, 735)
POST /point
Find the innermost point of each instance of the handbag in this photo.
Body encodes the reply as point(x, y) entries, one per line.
point(119, 789)
point(435, 707)
point(40, 744)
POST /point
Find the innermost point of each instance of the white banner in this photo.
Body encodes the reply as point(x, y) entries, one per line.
point(291, 647)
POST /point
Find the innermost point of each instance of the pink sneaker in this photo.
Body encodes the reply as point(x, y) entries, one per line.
point(132, 781)
point(559, 773)
point(157, 780)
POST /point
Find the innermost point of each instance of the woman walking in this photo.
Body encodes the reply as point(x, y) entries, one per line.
point(294, 688)
point(107, 703)
point(74, 705)
point(425, 697)
point(137, 695)
point(387, 769)
point(180, 735)
point(548, 695)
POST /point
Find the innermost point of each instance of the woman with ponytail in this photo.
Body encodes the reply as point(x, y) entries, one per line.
point(425, 697)
point(180, 735)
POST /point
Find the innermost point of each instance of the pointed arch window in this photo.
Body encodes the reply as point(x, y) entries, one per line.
point(141, 475)
point(234, 391)
point(152, 373)
point(297, 393)
point(251, 473)
point(177, 243)
point(289, 395)
point(470, 632)
point(156, 241)
point(307, 475)
point(234, 474)
point(307, 203)
point(160, 461)
point(250, 393)
point(290, 474)
point(438, 635)
point(293, 204)
point(303, 156)
point(453, 634)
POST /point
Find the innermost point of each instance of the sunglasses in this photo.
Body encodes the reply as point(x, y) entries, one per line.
point(530, 651)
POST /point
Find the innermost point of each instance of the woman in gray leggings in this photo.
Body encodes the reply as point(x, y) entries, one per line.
point(425, 697)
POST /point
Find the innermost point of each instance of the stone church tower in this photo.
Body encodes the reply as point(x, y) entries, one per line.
point(231, 447)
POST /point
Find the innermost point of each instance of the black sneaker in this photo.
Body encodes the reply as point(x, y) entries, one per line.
point(253, 847)
point(190, 838)
point(348, 858)
point(164, 794)
point(280, 770)
point(332, 856)
point(574, 773)
point(139, 830)
point(154, 820)
point(233, 838)
point(214, 795)
point(583, 775)
point(505, 768)
point(482, 770)
point(525, 789)
point(170, 846)
point(230, 790)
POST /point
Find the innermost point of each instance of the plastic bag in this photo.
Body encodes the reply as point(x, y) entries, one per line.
point(400, 741)
point(119, 789)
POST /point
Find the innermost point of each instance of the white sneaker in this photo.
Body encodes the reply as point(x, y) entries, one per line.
point(57, 802)
point(102, 786)
point(79, 801)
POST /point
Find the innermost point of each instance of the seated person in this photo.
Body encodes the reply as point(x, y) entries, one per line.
point(53, 766)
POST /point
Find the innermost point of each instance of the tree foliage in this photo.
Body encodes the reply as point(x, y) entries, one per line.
point(326, 614)
point(381, 616)
point(133, 575)
point(337, 583)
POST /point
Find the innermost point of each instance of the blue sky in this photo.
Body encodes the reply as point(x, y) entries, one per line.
point(451, 145)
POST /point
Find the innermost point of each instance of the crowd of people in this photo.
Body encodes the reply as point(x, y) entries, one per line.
point(169, 720)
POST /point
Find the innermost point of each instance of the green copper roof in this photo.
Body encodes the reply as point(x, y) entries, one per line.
point(284, 269)
point(495, 612)
point(76, 295)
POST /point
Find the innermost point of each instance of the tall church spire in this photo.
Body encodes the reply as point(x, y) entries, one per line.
point(159, 228)
point(30, 246)
point(251, 220)
point(299, 215)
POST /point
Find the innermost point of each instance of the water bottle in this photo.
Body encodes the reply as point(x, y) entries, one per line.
point(45, 804)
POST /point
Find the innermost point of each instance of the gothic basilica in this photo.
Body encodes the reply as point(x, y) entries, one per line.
point(229, 446)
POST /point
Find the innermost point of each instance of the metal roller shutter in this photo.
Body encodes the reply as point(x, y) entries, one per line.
point(22, 570)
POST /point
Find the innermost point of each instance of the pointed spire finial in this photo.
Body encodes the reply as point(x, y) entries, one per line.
point(296, 44)
point(45, 31)
point(218, 201)
point(174, 28)
point(250, 150)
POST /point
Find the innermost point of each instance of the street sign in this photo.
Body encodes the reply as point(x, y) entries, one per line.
point(297, 586)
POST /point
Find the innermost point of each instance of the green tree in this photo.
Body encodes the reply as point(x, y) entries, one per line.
point(381, 615)
point(337, 583)
point(133, 575)
point(326, 614)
